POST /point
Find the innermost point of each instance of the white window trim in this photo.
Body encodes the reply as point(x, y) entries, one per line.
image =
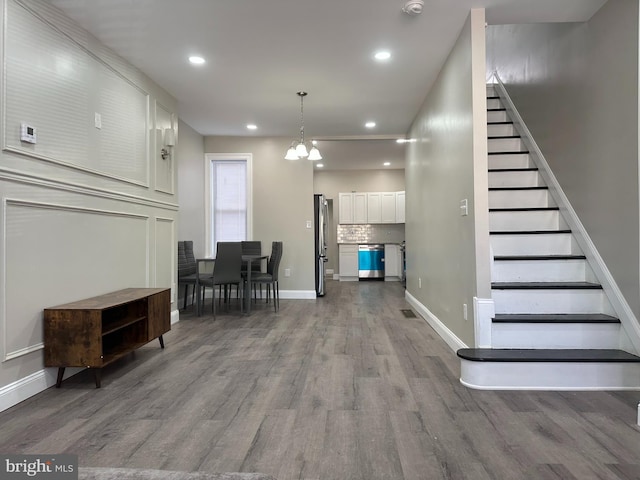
point(209, 158)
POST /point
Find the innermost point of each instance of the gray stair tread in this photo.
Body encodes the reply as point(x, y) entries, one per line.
point(538, 187)
point(523, 169)
point(508, 258)
point(554, 318)
point(518, 152)
point(500, 137)
point(524, 209)
point(545, 285)
point(528, 232)
point(546, 355)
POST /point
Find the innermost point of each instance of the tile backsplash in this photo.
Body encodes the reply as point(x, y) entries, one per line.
point(371, 233)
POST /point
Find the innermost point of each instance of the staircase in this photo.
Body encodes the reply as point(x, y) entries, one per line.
point(554, 327)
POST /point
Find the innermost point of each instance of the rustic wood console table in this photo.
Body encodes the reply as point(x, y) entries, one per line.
point(97, 331)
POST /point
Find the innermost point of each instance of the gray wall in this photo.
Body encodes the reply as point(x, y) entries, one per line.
point(282, 204)
point(441, 244)
point(332, 182)
point(86, 210)
point(576, 87)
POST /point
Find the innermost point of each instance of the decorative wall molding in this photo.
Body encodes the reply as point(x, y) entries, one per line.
point(39, 181)
point(8, 202)
point(173, 250)
point(483, 312)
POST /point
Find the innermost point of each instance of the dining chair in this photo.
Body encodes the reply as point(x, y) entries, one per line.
point(187, 269)
point(270, 277)
point(226, 272)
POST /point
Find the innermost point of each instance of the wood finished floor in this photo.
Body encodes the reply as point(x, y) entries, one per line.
point(343, 387)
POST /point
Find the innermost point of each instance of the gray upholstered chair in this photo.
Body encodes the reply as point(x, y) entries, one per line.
point(226, 272)
point(187, 269)
point(270, 277)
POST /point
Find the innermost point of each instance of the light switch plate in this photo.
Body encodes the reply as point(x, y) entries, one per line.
point(308, 223)
point(464, 207)
point(97, 120)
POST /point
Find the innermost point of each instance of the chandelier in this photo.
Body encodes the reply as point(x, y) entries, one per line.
point(298, 149)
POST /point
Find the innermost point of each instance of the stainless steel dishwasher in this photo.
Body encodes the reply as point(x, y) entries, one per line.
point(370, 261)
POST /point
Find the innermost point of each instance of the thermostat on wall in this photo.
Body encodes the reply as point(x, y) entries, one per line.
point(27, 133)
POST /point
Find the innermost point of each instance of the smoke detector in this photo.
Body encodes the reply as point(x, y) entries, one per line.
point(413, 7)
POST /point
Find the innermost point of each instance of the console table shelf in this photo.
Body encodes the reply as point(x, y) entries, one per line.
point(97, 331)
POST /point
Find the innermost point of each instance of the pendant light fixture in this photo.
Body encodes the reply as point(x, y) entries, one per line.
point(298, 150)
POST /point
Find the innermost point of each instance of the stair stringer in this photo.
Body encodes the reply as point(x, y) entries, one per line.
point(630, 327)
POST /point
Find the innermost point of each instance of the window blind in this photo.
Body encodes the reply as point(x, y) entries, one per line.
point(229, 201)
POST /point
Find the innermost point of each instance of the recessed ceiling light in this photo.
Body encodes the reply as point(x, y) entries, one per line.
point(370, 124)
point(251, 126)
point(382, 55)
point(319, 165)
point(196, 60)
point(386, 164)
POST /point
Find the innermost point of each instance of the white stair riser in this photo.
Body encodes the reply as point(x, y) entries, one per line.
point(536, 244)
point(505, 145)
point(501, 130)
point(519, 199)
point(500, 116)
point(549, 375)
point(539, 271)
point(516, 160)
point(557, 335)
point(550, 301)
point(493, 103)
point(524, 178)
point(524, 220)
point(491, 90)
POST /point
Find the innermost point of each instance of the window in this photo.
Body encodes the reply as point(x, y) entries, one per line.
point(228, 199)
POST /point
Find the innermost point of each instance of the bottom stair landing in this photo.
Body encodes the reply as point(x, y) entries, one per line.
point(549, 369)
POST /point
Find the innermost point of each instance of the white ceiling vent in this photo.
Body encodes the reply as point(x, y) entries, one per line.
point(413, 7)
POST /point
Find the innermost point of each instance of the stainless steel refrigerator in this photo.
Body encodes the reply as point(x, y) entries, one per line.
point(320, 215)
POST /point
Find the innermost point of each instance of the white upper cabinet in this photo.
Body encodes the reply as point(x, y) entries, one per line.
point(371, 207)
point(346, 207)
point(388, 207)
point(360, 208)
point(400, 207)
point(374, 208)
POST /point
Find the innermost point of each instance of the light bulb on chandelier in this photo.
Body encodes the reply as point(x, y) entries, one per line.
point(299, 150)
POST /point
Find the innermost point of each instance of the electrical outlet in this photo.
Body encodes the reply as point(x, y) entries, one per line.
point(287, 272)
point(97, 120)
point(419, 282)
point(464, 310)
point(308, 223)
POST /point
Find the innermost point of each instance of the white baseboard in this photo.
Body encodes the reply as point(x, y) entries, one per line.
point(298, 294)
point(175, 316)
point(441, 329)
point(30, 385)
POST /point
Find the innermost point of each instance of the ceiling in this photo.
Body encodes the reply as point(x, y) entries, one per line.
point(259, 53)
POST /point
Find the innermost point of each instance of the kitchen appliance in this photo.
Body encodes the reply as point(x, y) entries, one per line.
point(320, 215)
point(370, 261)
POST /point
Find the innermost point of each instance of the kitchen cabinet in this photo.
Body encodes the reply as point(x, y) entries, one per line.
point(374, 208)
point(371, 207)
point(388, 207)
point(346, 208)
point(400, 216)
point(360, 208)
point(392, 262)
point(348, 262)
point(352, 208)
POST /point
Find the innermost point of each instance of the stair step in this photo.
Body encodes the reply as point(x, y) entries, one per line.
point(529, 232)
point(515, 189)
point(507, 258)
point(525, 209)
point(555, 318)
point(545, 286)
point(501, 122)
point(502, 109)
point(546, 355)
point(519, 152)
point(524, 169)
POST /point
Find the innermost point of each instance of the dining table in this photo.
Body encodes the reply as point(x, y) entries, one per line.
point(248, 260)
